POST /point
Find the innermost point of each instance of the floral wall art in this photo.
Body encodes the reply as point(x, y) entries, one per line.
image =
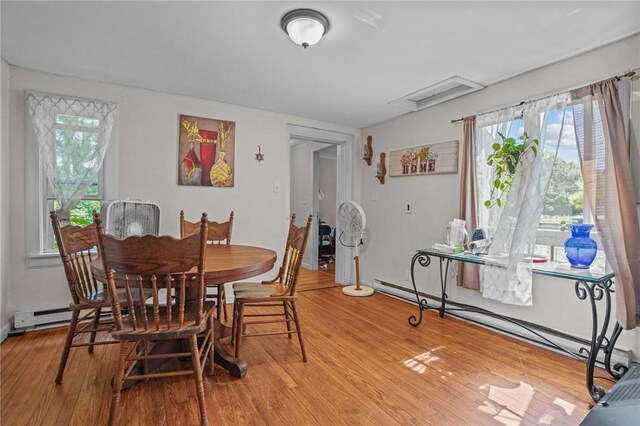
point(429, 159)
point(206, 152)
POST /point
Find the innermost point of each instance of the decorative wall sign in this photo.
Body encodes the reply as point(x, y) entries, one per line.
point(206, 152)
point(429, 159)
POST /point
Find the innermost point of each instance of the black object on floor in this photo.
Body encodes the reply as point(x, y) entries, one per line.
point(621, 405)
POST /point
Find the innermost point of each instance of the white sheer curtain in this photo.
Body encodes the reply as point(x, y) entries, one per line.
point(72, 135)
point(487, 128)
point(507, 274)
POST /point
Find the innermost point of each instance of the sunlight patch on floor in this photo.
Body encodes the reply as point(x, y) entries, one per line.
point(546, 419)
point(509, 406)
point(565, 405)
point(419, 362)
point(508, 418)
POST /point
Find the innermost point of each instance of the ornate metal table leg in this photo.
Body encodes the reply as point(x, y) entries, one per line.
point(443, 285)
point(618, 369)
point(424, 261)
point(595, 291)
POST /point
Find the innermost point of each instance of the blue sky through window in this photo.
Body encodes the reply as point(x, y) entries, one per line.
point(568, 149)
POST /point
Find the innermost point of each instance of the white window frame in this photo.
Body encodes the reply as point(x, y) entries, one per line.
point(555, 237)
point(37, 220)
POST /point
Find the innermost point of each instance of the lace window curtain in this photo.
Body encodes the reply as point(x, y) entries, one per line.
point(606, 173)
point(507, 275)
point(72, 135)
point(487, 128)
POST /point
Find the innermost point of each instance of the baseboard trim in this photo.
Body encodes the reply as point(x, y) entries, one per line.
point(4, 332)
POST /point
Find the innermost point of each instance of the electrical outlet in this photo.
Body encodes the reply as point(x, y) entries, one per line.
point(407, 208)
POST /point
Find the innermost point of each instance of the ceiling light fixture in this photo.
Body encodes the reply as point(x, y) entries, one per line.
point(305, 26)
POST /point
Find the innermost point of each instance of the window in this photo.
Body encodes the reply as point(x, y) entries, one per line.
point(65, 147)
point(565, 200)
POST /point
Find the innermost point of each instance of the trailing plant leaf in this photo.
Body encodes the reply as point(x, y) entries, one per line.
point(504, 162)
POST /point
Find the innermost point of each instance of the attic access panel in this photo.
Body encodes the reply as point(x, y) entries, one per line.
point(437, 93)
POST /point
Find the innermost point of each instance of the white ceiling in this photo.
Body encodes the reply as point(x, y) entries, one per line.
point(374, 52)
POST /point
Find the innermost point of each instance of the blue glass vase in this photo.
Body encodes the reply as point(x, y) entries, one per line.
point(580, 249)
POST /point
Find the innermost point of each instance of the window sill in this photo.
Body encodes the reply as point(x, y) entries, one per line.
point(556, 237)
point(47, 260)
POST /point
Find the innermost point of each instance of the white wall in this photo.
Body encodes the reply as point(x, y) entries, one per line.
point(301, 163)
point(147, 168)
point(328, 186)
point(394, 235)
point(5, 275)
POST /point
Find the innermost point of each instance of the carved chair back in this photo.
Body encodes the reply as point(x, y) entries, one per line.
point(293, 255)
point(143, 266)
point(218, 232)
point(78, 247)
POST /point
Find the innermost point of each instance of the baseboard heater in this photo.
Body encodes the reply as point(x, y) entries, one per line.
point(41, 319)
point(575, 342)
point(621, 405)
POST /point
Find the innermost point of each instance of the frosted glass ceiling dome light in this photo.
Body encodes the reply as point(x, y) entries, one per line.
point(305, 26)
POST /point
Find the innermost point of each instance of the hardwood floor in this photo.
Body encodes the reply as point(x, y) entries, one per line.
point(316, 280)
point(366, 366)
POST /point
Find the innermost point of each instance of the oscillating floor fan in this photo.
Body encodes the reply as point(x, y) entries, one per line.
point(352, 224)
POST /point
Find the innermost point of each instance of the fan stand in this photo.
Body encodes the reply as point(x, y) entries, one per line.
point(357, 290)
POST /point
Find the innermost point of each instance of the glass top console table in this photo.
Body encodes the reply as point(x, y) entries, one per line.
point(590, 284)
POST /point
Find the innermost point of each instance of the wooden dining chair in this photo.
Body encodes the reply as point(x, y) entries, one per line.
point(218, 233)
point(173, 269)
point(78, 247)
point(279, 292)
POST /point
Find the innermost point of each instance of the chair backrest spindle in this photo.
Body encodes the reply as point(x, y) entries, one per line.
point(293, 255)
point(75, 245)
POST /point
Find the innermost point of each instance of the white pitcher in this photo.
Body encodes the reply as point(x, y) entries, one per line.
point(456, 234)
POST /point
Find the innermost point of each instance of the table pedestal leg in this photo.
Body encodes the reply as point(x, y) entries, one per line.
point(235, 366)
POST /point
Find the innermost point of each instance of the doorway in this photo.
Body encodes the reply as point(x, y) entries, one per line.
point(306, 158)
point(325, 178)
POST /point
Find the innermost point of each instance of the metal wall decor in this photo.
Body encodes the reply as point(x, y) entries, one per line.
point(382, 168)
point(259, 155)
point(368, 151)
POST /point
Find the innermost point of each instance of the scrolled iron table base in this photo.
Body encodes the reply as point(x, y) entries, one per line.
point(592, 290)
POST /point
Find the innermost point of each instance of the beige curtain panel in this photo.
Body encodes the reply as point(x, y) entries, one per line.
point(468, 273)
point(606, 172)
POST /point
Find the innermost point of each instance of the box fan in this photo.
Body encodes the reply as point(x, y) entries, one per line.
point(124, 218)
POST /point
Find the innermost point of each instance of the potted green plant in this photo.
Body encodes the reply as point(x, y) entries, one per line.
point(504, 160)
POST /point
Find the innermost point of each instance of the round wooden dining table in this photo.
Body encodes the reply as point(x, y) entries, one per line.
point(224, 263)
point(228, 263)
